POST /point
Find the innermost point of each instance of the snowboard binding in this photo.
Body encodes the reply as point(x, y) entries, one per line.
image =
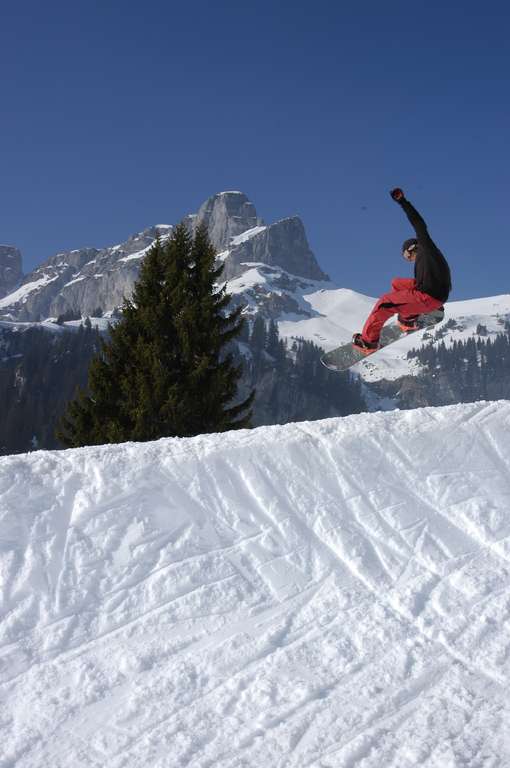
point(365, 347)
point(408, 324)
point(418, 322)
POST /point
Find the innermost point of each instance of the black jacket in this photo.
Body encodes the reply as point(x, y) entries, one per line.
point(431, 269)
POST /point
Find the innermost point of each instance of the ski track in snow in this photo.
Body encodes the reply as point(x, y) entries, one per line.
point(331, 594)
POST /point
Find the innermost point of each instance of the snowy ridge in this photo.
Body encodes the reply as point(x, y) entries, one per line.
point(462, 320)
point(86, 280)
point(242, 238)
point(316, 310)
point(321, 312)
point(22, 293)
point(329, 594)
point(329, 315)
point(332, 322)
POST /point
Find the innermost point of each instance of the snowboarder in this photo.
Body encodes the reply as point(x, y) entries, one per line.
point(409, 297)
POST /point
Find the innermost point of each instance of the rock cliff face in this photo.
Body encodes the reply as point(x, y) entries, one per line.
point(226, 216)
point(85, 281)
point(89, 281)
point(282, 244)
point(10, 269)
point(106, 278)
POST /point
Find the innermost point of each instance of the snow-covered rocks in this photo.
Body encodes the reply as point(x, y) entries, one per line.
point(283, 244)
point(89, 281)
point(323, 594)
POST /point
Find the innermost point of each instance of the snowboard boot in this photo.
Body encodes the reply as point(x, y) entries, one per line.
point(408, 324)
point(366, 347)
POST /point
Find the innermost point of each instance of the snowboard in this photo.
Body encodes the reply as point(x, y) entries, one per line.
point(342, 358)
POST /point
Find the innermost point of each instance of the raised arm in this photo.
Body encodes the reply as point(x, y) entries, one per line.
point(412, 214)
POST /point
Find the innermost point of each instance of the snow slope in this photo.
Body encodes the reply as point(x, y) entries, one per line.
point(21, 294)
point(462, 320)
point(329, 594)
point(321, 311)
point(329, 315)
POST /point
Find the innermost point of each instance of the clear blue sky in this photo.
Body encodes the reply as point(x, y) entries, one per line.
point(118, 115)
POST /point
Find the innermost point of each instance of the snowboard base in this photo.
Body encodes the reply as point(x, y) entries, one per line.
point(342, 358)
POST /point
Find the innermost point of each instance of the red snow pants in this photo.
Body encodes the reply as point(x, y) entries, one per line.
point(403, 299)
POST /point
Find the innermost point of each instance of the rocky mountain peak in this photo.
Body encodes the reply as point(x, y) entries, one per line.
point(91, 281)
point(282, 244)
point(226, 215)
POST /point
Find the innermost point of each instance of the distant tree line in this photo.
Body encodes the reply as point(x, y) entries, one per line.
point(39, 372)
point(466, 370)
point(290, 381)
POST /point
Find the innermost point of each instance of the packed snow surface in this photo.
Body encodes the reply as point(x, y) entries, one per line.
point(333, 594)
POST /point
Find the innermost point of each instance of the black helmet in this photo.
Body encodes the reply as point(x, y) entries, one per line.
point(410, 244)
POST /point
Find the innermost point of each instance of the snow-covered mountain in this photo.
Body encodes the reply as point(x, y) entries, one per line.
point(84, 281)
point(321, 312)
point(476, 319)
point(331, 593)
point(89, 281)
point(270, 270)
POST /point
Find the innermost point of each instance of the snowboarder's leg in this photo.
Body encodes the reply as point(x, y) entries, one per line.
point(406, 323)
point(407, 303)
point(388, 305)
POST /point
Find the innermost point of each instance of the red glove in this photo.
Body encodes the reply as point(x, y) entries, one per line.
point(397, 194)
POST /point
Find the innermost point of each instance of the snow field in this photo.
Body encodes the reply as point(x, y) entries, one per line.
point(329, 594)
point(328, 316)
point(22, 293)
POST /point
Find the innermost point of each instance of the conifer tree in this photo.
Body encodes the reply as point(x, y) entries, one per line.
point(165, 370)
point(272, 340)
point(258, 341)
